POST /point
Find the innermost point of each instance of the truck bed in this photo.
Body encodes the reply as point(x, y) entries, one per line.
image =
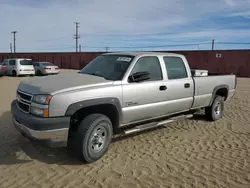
point(204, 87)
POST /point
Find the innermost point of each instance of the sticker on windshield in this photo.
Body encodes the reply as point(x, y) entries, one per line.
point(128, 59)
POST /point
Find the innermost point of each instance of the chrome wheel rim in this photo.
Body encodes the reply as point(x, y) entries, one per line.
point(98, 139)
point(217, 108)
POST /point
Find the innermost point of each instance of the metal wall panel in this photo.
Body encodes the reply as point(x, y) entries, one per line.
point(220, 61)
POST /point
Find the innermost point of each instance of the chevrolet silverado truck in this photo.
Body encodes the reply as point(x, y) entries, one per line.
point(116, 93)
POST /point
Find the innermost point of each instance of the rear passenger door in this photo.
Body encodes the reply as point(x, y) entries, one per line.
point(144, 100)
point(11, 66)
point(180, 85)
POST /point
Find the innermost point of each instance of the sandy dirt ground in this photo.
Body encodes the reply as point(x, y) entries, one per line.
point(190, 153)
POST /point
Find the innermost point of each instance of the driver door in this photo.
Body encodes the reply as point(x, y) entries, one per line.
point(144, 100)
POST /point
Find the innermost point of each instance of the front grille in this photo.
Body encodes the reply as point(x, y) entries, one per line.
point(24, 96)
point(24, 101)
point(23, 106)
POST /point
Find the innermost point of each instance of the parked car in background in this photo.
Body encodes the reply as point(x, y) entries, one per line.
point(45, 68)
point(2, 70)
point(18, 67)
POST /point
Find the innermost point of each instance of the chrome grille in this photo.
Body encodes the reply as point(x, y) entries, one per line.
point(23, 101)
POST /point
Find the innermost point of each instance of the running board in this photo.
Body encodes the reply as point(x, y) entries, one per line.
point(156, 124)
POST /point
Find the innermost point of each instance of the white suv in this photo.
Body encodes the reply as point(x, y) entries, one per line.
point(18, 67)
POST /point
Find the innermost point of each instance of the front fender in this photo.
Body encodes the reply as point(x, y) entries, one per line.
point(93, 102)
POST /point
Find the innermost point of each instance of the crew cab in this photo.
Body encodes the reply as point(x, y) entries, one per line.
point(116, 93)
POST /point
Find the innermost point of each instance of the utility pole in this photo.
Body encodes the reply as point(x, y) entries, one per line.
point(80, 48)
point(213, 44)
point(76, 36)
point(14, 34)
point(10, 48)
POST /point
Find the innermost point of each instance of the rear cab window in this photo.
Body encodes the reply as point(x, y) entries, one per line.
point(176, 68)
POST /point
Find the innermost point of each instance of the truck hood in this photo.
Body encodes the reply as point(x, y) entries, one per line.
point(59, 83)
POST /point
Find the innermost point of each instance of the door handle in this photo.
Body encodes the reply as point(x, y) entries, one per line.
point(187, 85)
point(163, 88)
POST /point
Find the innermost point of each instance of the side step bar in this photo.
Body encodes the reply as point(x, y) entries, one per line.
point(156, 124)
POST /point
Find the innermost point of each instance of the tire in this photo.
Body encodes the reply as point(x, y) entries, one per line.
point(215, 111)
point(14, 73)
point(85, 148)
point(39, 73)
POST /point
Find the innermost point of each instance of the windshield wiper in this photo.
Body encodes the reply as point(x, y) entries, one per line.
point(94, 74)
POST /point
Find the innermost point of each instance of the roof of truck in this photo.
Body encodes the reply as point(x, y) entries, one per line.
point(140, 53)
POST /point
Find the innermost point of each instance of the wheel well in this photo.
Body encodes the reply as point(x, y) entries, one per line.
point(106, 109)
point(223, 92)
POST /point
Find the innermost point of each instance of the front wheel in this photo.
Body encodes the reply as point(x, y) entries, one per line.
point(215, 111)
point(93, 137)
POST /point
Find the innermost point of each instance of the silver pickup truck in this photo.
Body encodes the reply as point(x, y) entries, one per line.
point(116, 93)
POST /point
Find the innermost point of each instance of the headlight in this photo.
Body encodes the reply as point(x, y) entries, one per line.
point(39, 111)
point(41, 99)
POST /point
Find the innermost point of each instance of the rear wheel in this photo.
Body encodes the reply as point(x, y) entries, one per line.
point(215, 111)
point(14, 73)
point(93, 137)
point(39, 73)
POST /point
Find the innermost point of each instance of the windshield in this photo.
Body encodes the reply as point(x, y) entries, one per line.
point(110, 67)
point(26, 62)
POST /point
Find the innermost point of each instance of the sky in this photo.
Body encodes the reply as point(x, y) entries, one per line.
point(119, 25)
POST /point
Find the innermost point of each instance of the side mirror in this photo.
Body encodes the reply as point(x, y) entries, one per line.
point(139, 76)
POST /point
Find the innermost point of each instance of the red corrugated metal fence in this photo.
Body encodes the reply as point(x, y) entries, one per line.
point(221, 61)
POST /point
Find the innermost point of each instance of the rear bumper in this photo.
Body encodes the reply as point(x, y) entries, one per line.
point(50, 131)
point(51, 71)
point(26, 73)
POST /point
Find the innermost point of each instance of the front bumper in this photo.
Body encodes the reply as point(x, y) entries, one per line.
point(51, 131)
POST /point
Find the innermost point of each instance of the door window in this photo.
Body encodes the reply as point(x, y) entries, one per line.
point(149, 64)
point(12, 62)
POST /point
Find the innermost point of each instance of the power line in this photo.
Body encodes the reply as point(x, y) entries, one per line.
point(69, 47)
point(76, 36)
point(174, 45)
point(233, 43)
point(133, 35)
